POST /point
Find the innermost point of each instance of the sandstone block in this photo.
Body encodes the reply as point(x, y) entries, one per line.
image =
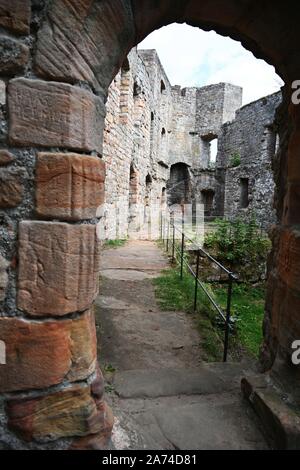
point(69, 186)
point(15, 15)
point(292, 216)
point(92, 58)
point(3, 277)
point(11, 186)
point(54, 114)
point(58, 267)
point(294, 157)
point(13, 56)
point(42, 354)
point(100, 440)
point(281, 422)
point(6, 157)
point(289, 257)
point(71, 412)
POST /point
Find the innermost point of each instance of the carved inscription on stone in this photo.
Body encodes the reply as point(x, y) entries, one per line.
point(69, 186)
point(58, 267)
point(54, 114)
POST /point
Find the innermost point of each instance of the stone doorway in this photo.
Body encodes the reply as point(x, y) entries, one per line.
point(179, 185)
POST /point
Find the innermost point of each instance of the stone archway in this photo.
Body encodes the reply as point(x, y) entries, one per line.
point(179, 185)
point(51, 146)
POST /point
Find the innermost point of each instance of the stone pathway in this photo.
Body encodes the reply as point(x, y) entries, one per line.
point(163, 395)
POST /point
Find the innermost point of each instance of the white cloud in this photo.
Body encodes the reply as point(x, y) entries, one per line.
point(192, 57)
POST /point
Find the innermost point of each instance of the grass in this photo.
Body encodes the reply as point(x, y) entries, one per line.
point(247, 309)
point(114, 243)
point(109, 368)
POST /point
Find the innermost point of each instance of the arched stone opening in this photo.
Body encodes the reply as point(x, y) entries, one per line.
point(179, 185)
point(85, 43)
point(163, 198)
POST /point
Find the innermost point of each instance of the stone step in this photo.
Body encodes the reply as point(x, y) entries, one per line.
point(280, 420)
point(203, 422)
point(207, 379)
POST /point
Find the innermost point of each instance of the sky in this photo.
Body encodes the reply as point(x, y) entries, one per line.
point(192, 57)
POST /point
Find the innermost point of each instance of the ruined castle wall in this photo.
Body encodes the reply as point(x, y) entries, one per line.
point(216, 104)
point(151, 127)
point(162, 110)
point(135, 148)
point(250, 138)
point(184, 146)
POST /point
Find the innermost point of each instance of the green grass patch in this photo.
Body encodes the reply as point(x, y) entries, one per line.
point(114, 243)
point(174, 294)
point(248, 311)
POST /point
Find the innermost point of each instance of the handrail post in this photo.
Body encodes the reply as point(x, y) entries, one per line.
point(173, 247)
point(168, 235)
point(228, 317)
point(161, 225)
point(196, 281)
point(182, 253)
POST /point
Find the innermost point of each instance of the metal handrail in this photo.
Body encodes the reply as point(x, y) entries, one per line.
point(206, 254)
point(225, 316)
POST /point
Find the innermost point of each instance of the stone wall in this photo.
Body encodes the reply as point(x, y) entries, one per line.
point(250, 142)
point(51, 187)
point(152, 128)
point(135, 146)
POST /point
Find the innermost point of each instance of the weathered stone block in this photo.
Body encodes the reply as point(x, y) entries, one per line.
point(11, 186)
point(281, 422)
point(289, 257)
point(42, 354)
point(13, 56)
point(6, 157)
point(61, 56)
point(69, 186)
point(54, 114)
point(100, 440)
point(3, 277)
point(292, 216)
point(15, 15)
point(58, 267)
point(71, 412)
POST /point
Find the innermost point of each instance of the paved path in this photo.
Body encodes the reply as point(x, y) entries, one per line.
point(163, 395)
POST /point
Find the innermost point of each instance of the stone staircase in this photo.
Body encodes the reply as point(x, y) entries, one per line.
point(183, 409)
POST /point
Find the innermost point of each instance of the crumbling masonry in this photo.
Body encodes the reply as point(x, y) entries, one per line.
point(157, 149)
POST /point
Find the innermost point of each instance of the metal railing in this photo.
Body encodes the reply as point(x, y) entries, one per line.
point(168, 237)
